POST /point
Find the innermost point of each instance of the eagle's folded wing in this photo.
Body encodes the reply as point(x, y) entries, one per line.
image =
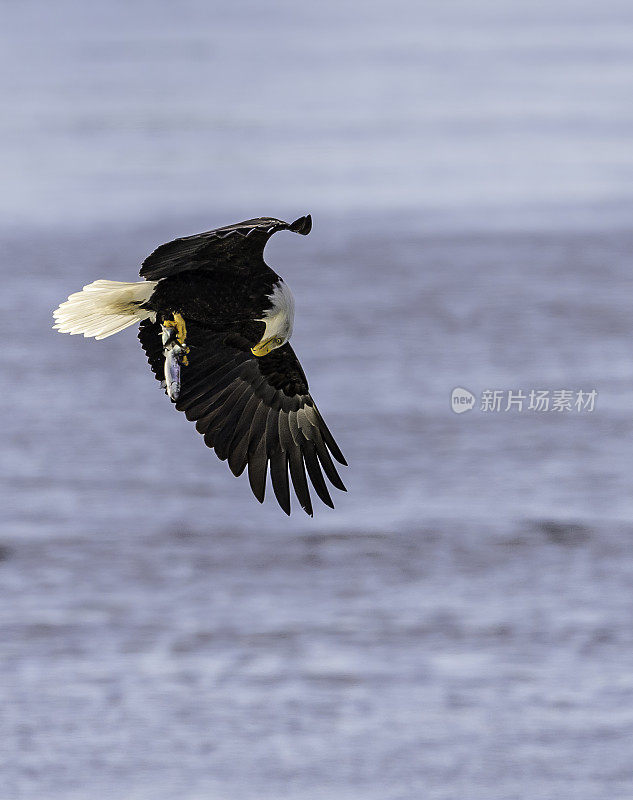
point(253, 412)
point(232, 245)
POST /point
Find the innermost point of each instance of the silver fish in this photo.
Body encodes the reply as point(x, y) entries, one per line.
point(175, 355)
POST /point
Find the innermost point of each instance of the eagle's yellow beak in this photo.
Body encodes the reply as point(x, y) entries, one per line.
point(263, 348)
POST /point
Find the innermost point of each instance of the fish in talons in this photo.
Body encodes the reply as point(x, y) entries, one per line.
point(173, 333)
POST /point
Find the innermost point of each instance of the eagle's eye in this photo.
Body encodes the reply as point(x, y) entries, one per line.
point(278, 341)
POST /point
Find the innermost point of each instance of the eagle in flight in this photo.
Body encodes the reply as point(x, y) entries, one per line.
point(215, 324)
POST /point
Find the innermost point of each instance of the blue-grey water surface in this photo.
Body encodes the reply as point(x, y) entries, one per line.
point(460, 627)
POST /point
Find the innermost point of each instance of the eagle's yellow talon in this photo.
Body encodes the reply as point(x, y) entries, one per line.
point(181, 329)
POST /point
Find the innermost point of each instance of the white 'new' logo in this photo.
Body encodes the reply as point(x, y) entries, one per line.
point(462, 400)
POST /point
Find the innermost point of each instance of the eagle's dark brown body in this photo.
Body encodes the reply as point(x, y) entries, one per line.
point(255, 412)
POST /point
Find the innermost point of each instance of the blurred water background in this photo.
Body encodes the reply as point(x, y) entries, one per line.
point(460, 626)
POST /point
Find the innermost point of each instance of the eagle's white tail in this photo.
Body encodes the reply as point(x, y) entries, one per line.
point(103, 308)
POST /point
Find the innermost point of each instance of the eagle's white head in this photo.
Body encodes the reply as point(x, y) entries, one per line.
point(279, 320)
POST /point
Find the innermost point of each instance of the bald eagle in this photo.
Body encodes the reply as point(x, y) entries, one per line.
point(215, 323)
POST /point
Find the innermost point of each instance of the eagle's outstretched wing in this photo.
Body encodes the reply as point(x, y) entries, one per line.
point(241, 243)
point(253, 411)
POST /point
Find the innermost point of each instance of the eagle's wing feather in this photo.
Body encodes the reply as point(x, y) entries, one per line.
point(254, 412)
point(234, 245)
